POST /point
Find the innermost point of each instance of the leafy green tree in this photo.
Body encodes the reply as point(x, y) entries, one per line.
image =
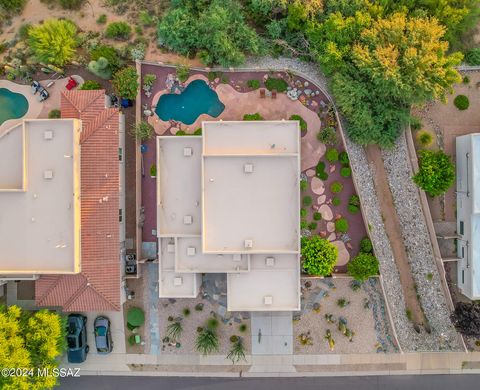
point(54, 41)
point(436, 174)
point(319, 256)
point(472, 57)
point(30, 340)
point(125, 83)
point(363, 266)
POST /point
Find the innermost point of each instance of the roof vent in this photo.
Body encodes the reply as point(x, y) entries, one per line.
point(237, 257)
point(191, 251)
point(48, 135)
point(248, 168)
point(170, 248)
point(187, 151)
point(48, 174)
point(187, 220)
point(268, 300)
point(248, 244)
point(270, 261)
point(177, 281)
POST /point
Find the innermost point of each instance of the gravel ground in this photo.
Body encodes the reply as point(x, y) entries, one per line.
point(194, 320)
point(443, 336)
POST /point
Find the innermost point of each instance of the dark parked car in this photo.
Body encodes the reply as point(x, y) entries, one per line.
point(103, 335)
point(77, 338)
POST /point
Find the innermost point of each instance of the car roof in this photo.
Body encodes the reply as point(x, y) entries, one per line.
point(101, 321)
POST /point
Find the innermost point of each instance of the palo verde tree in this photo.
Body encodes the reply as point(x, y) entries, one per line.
point(31, 341)
point(319, 256)
point(436, 174)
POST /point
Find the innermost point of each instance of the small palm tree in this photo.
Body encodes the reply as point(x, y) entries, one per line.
point(174, 330)
point(237, 352)
point(207, 341)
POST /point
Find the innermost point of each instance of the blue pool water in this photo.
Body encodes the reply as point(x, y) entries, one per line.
point(196, 99)
point(12, 105)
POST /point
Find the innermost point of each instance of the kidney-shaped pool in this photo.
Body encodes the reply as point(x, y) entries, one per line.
point(196, 99)
point(12, 105)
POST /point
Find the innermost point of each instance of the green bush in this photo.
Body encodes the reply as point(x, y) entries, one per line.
point(336, 201)
point(352, 209)
point(472, 57)
point(363, 266)
point(118, 30)
point(207, 341)
point(303, 185)
point(135, 316)
point(198, 131)
point(323, 176)
point(436, 174)
point(182, 72)
point(466, 80)
point(345, 172)
point(102, 19)
point(366, 245)
point(107, 52)
point(461, 102)
point(23, 31)
point(125, 83)
point(307, 201)
point(317, 216)
point(332, 155)
point(89, 85)
point(425, 138)
point(12, 6)
point(71, 4)
point(54, 114)
point(312, 226)
point(303, 213)
point(416, 123)
point(336, 187)
point(354, 200)
point(303, 224)
point(142, 131)
point(303, 123)
point(253, 84)
point(319, 256)
point(341, 225)
point(343, 158)
point(253, 117)
point(327, 136)
point(279, 85)
point(181, 132)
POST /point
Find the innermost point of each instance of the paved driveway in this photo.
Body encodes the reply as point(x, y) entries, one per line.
point(272, 333)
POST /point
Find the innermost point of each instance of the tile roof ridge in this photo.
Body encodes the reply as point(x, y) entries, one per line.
point(96, 123)
point(96, 94)
point(89, 286)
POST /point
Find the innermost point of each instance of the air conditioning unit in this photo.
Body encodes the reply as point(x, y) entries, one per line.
point(131, 258)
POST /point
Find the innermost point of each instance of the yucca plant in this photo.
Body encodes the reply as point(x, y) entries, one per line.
point(174, 330)
point(237, 352)
point(207, 341)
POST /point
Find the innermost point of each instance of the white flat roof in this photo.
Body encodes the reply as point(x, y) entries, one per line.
point(40, 197)
point(276, 282)
point(178, 185)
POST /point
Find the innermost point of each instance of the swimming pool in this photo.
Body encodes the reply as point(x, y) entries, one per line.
point(12, 105)
point(196, 99)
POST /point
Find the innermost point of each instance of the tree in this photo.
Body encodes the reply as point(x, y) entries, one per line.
point(13, 6)
point(107, 52)
point(363, 266)
point(31, 341)
point(125, 83)
point(436, 173)
point(89, 85)
point(467, 318)
point(118, 30)
point(54, 41)
point(319, 256)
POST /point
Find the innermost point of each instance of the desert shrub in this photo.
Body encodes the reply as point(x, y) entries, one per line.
point(54, 41)
point(89, 85)
point(125, 83)
point(307, 201)
point(303, 213)
point(343, 158)
point(312, 226)
point(303, 123)
point(135, 316)
point(12, 6)
point(253, 84)
point(102, 19)
point(461, 102)
point(472, 57)
point(198, 131)
point(467, 318)
point(182, 72)
point(363, 266)
point(243, 328)
point(71, 4)
point(317, 216)
point(174, 331)
point(354, 200)
point(253, 117)
point(303, 224)
point(53, 114)
point(23, 31)
point(341, 225)
point(142, 131)
point(327, 136)
point(277, 84)
point(118, 30)
point(332, 155)
point(319, 256)
point(320, 167)
point(336, 201)
point(346, 172)
point(323, 176)
point(207, 341)
point(352, 209)
point(436, 173)
point(237, 351)
point(100, 68)
point(212, 323)
point(145, 18)
point(425, 138)
point(137, 52)
point(366, 245)
point(336, 187)
point(303, 185)
point(466, 80)
point(107, 52)
point(181, 132)
point(415, 123)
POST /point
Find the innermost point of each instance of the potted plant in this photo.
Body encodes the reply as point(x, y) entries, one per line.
point(153, 171)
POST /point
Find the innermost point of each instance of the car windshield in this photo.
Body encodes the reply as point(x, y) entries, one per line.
point(72, 342)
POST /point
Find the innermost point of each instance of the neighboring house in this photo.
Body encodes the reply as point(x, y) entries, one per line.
point(228, 202)
point(99, 285)
point(468, 214)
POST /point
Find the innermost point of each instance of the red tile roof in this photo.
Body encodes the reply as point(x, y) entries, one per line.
point(97, 287)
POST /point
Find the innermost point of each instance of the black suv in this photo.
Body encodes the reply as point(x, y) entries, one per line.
point(77, 338)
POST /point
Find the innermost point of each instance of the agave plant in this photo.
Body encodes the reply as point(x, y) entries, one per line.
point(237, 352)
point(329, 318)
point(329, 338)
point(207, 341)
point(174, 330)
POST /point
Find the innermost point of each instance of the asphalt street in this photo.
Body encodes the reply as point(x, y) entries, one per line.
point(408, 382)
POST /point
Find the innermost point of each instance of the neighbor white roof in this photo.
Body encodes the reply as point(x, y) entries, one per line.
point(40, 197)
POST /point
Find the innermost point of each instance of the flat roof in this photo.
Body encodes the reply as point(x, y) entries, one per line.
point(251, 192)
point(179, 185)
point(273, 284)
point(40, 197)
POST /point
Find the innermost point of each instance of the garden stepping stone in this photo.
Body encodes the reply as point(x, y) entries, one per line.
point(343, 255)
point(330, 227)
point(317, 186)
point(310, 172)
point(332, 237)
point(321, 199)
point(326, 212)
